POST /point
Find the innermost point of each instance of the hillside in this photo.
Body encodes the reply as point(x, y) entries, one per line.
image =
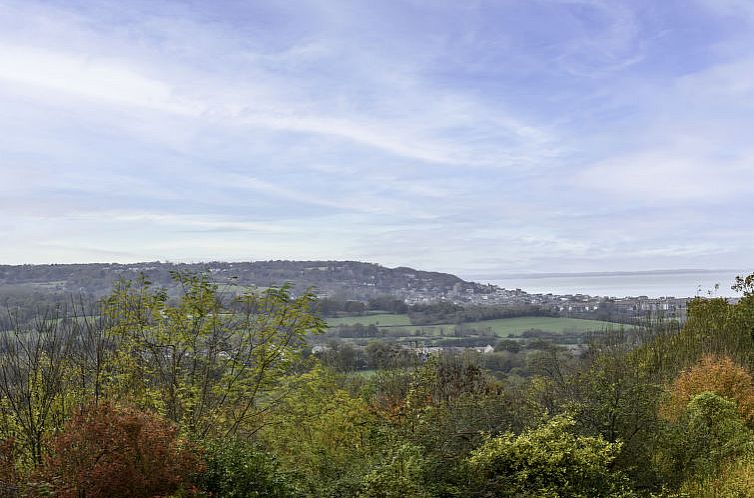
point(350, 279)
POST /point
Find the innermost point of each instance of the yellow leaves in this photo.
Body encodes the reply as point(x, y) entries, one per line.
point(712, 374)
point(213, 364)
point(548, 460)
point(319, 423)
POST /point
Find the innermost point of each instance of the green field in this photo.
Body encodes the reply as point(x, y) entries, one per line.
point(379, 319)
point(399, 325)
point(240, 289)
point(511, 326)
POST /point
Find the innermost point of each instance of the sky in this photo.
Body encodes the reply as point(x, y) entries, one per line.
point(474, 137)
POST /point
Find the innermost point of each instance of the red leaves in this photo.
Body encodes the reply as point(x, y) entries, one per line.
point(114, 451)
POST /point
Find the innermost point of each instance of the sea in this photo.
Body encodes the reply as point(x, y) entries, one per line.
point(661, 283)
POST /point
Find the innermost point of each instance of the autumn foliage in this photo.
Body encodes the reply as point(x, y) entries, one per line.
point(714, 374)
point(114, 451)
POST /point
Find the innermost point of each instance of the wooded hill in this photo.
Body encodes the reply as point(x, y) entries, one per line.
point(350, 279)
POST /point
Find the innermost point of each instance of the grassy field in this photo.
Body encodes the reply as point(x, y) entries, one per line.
point(240, 289)
point(399, 325)
point(511, 326)
point(379, 319)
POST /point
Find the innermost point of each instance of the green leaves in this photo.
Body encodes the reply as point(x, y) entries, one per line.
point(399, 475)
point(546, 461)
point(236, 468)
point(709, 433)
point(209, 363)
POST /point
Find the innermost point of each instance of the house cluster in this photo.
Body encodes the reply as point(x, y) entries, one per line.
point(421, 288)
point(425, 352)
point(566, 304)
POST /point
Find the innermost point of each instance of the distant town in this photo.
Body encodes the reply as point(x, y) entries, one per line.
point(344, 280)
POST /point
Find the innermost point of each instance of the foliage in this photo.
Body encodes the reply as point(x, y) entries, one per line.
point(111, 451)
point(385, 356)
point(547, 461)
point(709, 433)
point(34, 366)
point(735, 479)
point(634, 411)
point(388, 391)
point(446, 312)
point(209, 366)
point(451, 403)
point(321, 435)
point(715, 374)
point(400, 474)
point(446, 377)
point(611, 396)
point(9, 475)
point(714, 327)
point(236, 468)
point(342, 357)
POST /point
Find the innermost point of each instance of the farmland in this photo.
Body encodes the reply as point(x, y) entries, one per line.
point(394, 325)
point(378, 319)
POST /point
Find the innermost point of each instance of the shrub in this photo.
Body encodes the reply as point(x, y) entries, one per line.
point(712, 374)
point(399, 475)
point(238, 469)
point(111, 451)
point(734, 480)
point(708, 434)
point(547, 461)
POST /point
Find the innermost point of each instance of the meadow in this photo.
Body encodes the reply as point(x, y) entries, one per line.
point(399, 325)
point(378, 319)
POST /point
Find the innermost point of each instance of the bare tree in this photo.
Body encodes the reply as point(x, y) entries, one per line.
point(34, 361)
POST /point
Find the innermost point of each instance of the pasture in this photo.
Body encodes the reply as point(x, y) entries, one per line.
point(379, 319)
point(400, 326)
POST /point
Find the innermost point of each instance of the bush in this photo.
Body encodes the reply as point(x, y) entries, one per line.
point(708, 434)
point(400, 475)
point(111, 451)
point(713, 374)
point(548, 461)
point(734, 480)
point(238, 469)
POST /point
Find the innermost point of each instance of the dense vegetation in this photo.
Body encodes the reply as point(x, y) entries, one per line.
point(208, 394)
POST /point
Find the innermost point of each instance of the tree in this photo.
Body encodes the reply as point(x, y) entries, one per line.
point(616, 399)
point(381, 355)
point(34, 368)
point(209, 365)
point(236, 468)
point(547, 461)
point(450, 405)
point(734, 478)
point(709, 433)
point(343, 357)
point(714, 326)
point(510, 345)
point(400, 474)
point(321, 435)
point(712, 374)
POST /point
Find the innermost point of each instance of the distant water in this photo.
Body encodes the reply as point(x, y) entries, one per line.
point(675, 283)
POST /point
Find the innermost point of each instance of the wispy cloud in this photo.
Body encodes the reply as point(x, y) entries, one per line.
point(607, 38)
point(115, 80)
point(563, 135)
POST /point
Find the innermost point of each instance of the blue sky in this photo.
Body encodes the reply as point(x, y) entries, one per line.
point(472, 137)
